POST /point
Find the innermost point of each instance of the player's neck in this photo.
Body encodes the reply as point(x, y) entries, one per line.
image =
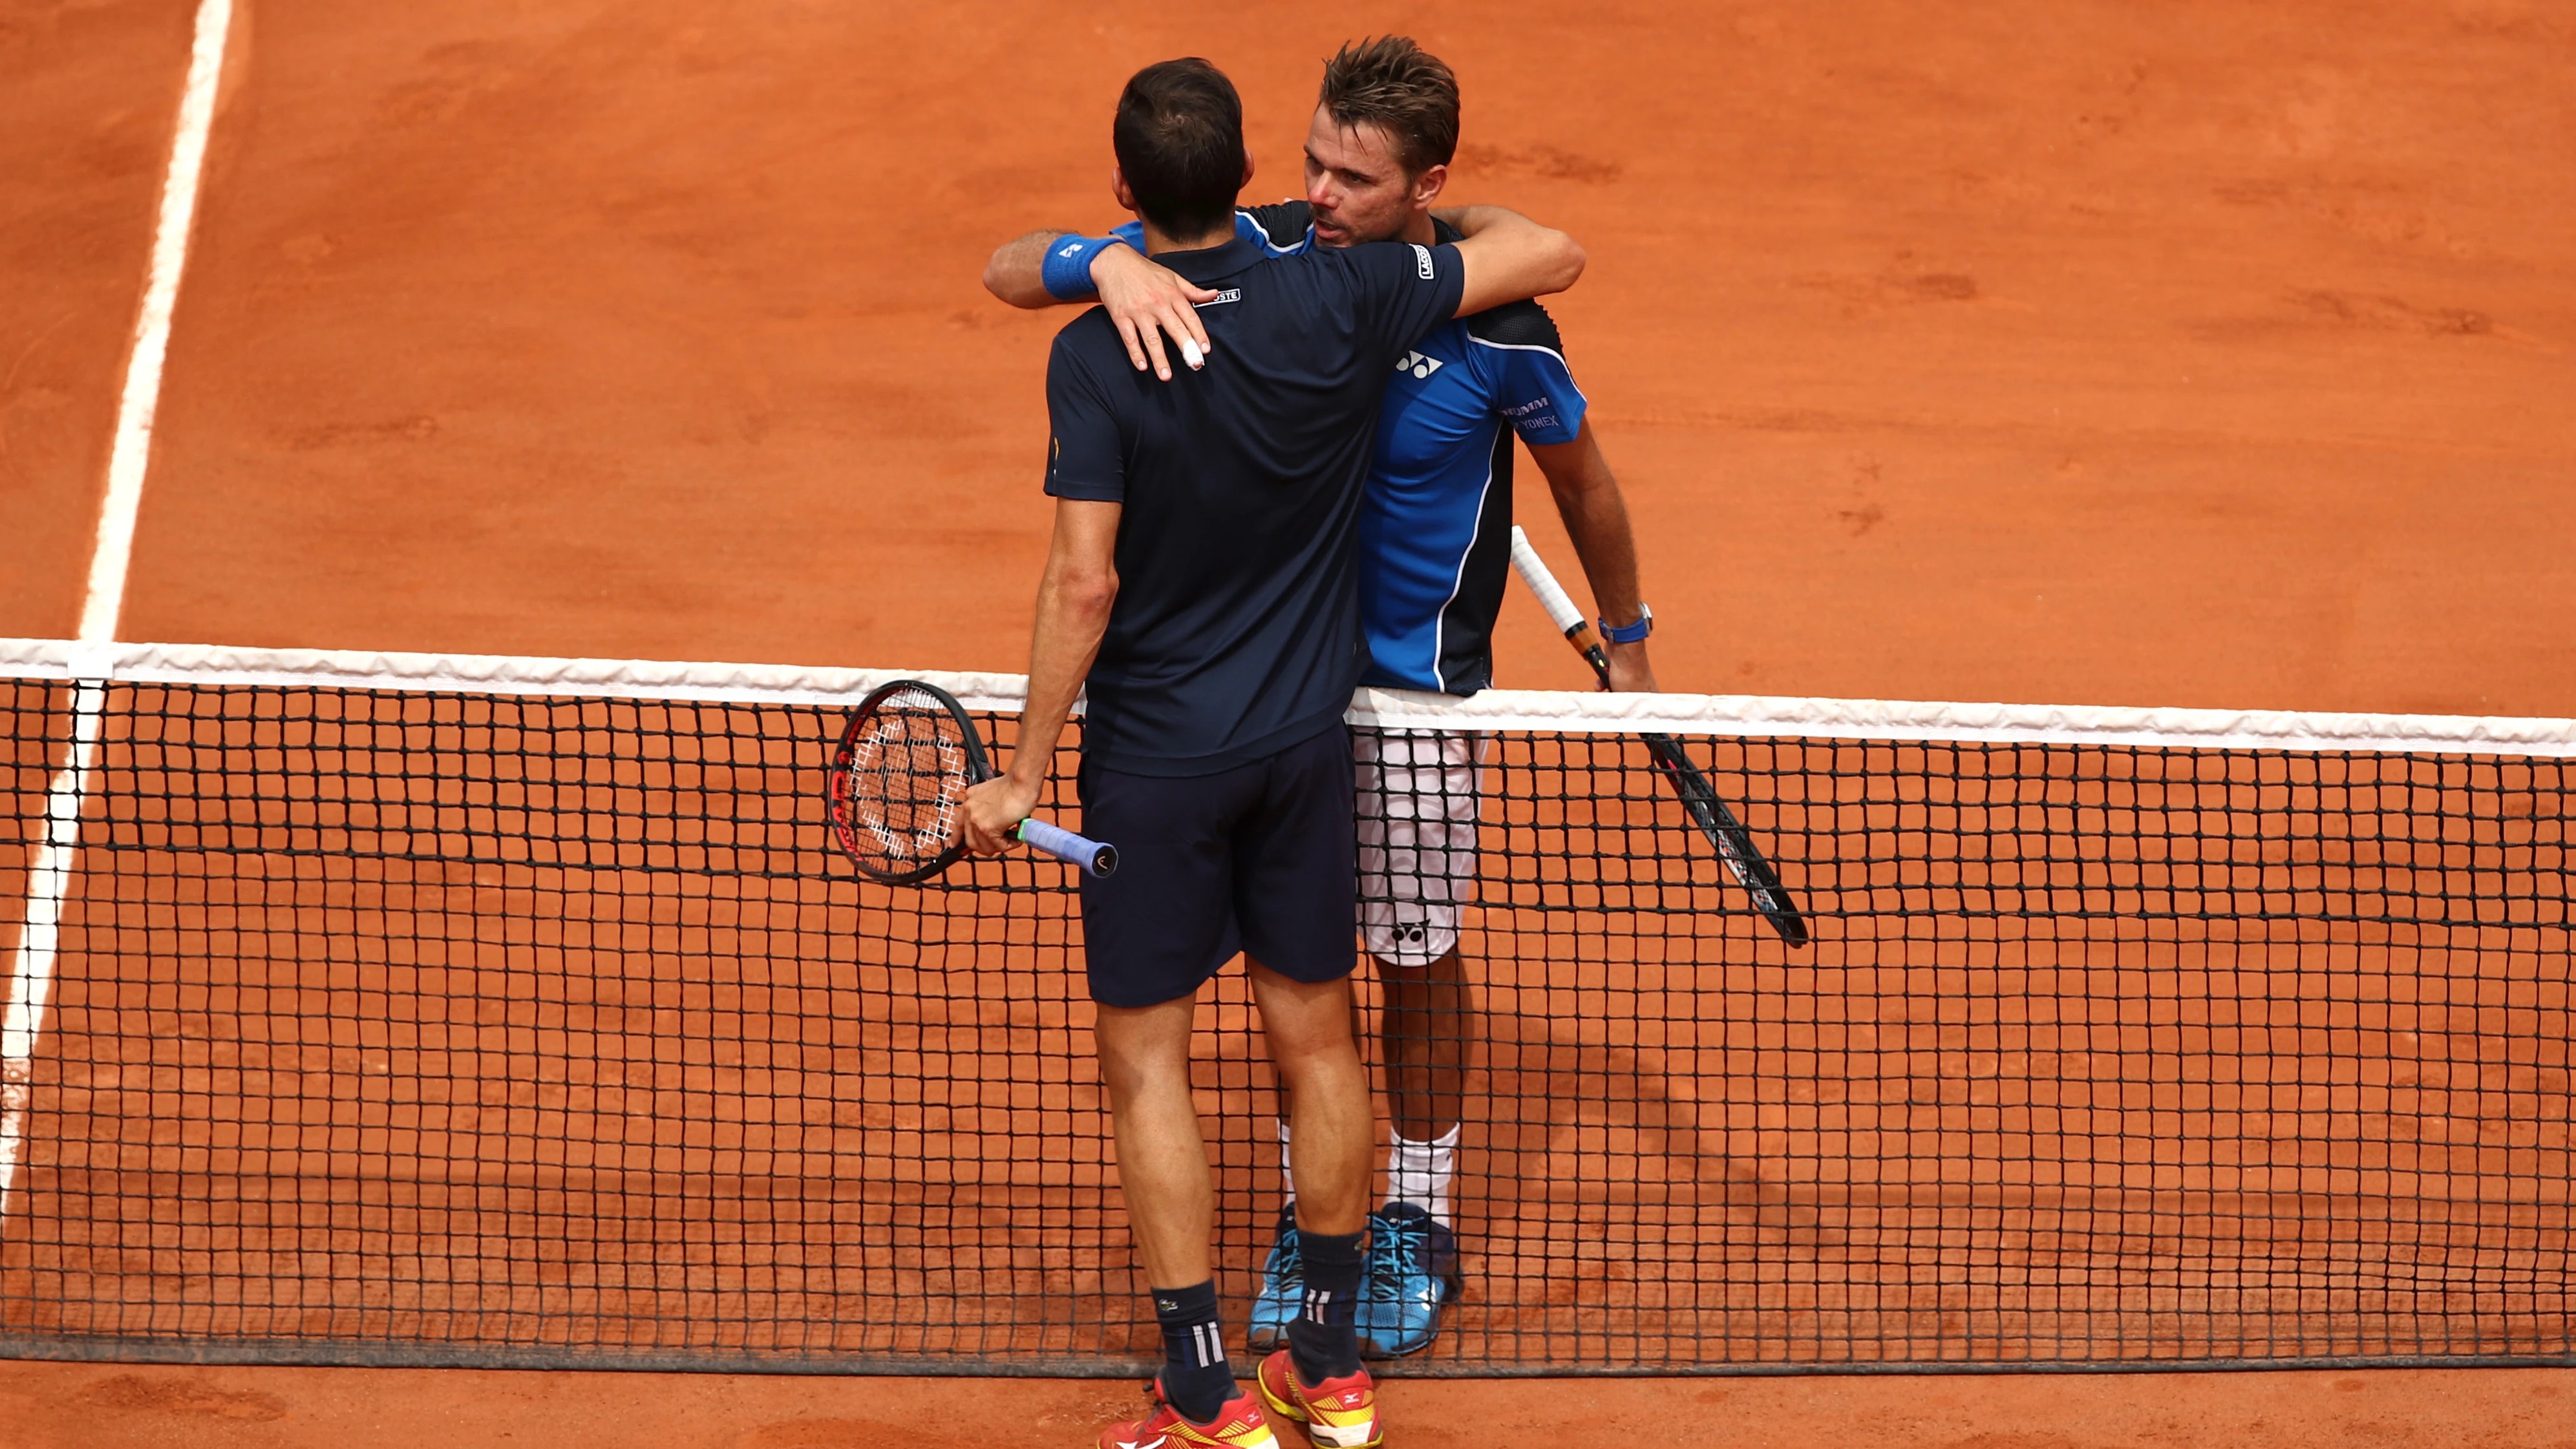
point(1157, 241)
point(1418, 230)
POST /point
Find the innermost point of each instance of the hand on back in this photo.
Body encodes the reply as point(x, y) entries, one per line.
point(1150, 302)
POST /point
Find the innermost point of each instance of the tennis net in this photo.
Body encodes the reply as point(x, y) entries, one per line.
point(445, 1010)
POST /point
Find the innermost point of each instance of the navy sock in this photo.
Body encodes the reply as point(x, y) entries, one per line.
point(1321, 1342)
point(1196, 1378)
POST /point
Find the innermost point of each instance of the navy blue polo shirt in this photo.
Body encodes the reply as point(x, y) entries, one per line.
point(1436, 525)
point(1236, 632)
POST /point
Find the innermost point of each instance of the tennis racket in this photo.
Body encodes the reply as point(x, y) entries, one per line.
point(1734, 845)
point(898, 789)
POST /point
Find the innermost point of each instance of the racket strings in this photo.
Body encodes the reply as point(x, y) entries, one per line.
point(906, 780)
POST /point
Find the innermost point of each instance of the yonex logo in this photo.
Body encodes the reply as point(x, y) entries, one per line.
point(1069, 248)
point(1417, 364)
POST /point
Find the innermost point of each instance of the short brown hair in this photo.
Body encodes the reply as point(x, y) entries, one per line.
point(1396, 85)
point(1179, 139)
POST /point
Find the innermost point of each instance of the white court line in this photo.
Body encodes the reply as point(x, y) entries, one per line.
point(31, 974)
point(57, 856)
point(141, 401)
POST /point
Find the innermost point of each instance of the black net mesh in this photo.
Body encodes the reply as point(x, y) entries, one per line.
point(411, 1026)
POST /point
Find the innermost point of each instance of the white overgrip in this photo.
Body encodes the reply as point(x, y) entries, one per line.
point(1551, 595)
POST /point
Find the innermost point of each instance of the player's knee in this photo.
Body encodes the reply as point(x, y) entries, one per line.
point(1322, 1064)
point(1132, 1068)
point(1129, 1071)
point(1300, 1018)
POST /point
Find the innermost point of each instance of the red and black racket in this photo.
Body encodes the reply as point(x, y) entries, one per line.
point(898, 789)
point(1734, 844)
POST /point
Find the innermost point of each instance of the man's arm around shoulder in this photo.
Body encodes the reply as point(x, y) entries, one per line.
point(1146, 302)
point(1017, 271)
point(1511, 257)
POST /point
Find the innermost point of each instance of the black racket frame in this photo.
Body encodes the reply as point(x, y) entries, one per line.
point(979, 768)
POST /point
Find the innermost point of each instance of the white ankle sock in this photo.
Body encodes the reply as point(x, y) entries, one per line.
point(1287, 1178)
point(1420, 1172)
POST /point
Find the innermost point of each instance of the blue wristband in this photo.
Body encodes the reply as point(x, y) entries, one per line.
point(1630, 633)
point(1067, 272)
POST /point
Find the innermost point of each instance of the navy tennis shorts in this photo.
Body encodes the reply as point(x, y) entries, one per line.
point(1259, 859)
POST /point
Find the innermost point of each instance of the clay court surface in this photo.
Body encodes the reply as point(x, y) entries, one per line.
point(83, 1405)
point(2201, 355)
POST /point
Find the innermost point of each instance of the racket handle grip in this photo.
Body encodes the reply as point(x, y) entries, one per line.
point(1097, 860)
point(1560, 609)
point(1551, 594)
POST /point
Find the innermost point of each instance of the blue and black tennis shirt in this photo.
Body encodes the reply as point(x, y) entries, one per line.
point(1436, 523)
point(1236, 632)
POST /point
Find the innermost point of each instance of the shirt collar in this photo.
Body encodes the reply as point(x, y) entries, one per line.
point(1209, 263)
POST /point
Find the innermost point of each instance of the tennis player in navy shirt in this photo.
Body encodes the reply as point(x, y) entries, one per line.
point(1202, 586)
point(1435, 526)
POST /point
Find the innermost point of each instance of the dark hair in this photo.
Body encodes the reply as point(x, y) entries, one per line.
point(1402, 89)
point(1179, 139)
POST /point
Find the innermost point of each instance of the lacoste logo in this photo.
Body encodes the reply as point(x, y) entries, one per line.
point(1417, 364)
point(1230, 294)
point(1421, 260)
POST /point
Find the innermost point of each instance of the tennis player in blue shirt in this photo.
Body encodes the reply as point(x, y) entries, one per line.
point(1435, 529)
point(1201, 591)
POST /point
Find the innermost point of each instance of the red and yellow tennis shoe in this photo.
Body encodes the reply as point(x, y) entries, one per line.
point(1239, 1425)
point(1338, 1413)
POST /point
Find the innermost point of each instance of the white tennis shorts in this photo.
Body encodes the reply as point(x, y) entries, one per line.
point(1417, 837)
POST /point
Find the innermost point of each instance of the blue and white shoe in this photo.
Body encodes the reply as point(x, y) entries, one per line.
point(1412, 1274)
point(1283, 1287)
